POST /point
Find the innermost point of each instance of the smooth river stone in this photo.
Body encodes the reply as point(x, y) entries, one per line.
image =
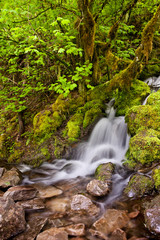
point(10, 178)
point(53, 234)
point(19, 193)
point(97, 188)
point(47, 191)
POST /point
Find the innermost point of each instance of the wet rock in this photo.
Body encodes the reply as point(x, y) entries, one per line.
point(48, 191)
point(98, 234)
point(97, 188)
point(33, 204)
point(111, 220)
point(104, 172)
point(152, 215)
point(83, 205)
point(53, 234)
point(75, 229)
point(10, 178)
point(118, 234)
point(12, 218)
point(2, 170)
point(133, 214)
point(33, 228)
point(78, 238)
point(58, 206)
point(138, 186)
point(19, 193)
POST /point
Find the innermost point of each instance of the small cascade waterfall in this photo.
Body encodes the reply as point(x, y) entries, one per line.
point(108, 143)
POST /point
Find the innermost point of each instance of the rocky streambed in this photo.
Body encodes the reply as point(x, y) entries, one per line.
point(78, 209)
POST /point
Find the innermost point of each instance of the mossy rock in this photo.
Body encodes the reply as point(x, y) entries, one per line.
point(74, 127)
point(138, 186)
point(104, 171)
point(156, 177)
point(3, 147)
point(146, 116)
point(124, 100)
point(44, 124)
point(100, 92)
point(144, 148)
point(154, 99)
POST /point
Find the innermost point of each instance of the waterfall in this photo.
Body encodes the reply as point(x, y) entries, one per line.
point(108, 143)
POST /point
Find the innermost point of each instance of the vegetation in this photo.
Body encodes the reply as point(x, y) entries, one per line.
point(57, 57)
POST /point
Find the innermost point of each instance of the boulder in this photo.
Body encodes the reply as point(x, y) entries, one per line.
point(97, 188)
point(111, 220)
point(33, 228)
point(75, 229)
point(58, 206)
point(104, 172)
point(45, 191)
point(138, 186)
point(83, 205)
point(12, 220)
point(118, 234)
point(10, 178)
point(53, 234)
point(19, 193)
point(32, 204)
point(152, 215)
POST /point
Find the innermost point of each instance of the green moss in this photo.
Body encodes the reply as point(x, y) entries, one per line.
point(154, 99)
point(3, 147)
point(16, 156)
point(100, 92)
point(135, 96)
point(74, 126)
point(144, 148)
point(156, 177)
point(138, 186)
point(46, 153)
point(146, 116)
point(104, 171)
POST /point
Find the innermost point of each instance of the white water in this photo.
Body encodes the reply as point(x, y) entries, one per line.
point(108, 143)
point(153, 82)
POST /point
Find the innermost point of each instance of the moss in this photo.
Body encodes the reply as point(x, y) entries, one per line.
point(59, 147)
point(90, 116)
point(144, 148)
point(138, 186)
point(46, 153)
point(74, 126)
point(16, 156)
point(100, 92)
point(146, 116)
point(3, 147)
point(135, 96)
point(104, 171)
point(154, 99)
point(156, 177)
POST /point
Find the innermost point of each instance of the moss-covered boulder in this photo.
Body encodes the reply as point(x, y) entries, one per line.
point(146, 116)
point(126, 99)
point(154, 99)
point(138, 186)
point(144, 148)
point(3, 147)
point(100, 92)
point(104, 172)
point(74, 127)
point(156, 177)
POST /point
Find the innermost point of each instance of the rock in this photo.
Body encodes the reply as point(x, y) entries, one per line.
point(138, 186)
point(83, 205)
point(19, 193)
point(104, 172)
point(47, 191)
point(97, 188)
point(98, 234)
point(152, 215)
point(53, 234)
point(58, 206)
point(2, 170)
point(12, 218)
point(118, 234)
point(33, 204)
point(33, 228)
point(75, 229)
point(111, 220)
point(10, 178)
point(133, 214)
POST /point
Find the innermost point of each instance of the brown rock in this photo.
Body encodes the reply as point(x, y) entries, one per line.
point(48, 191)
point(53, 234)
point(19, 193)
point(10, 178)
point(97, 188)
point(75, 229)
point(83, 205)
point(111, 220)
point(133, 214)
point(58, 205)
point(33, 228)
point(118, 234)
point(2, 170)
point(33, 204)
point(12, 218)
point(98, 234)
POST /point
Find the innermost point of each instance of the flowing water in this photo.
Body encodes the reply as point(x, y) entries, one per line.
point(108, 143)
